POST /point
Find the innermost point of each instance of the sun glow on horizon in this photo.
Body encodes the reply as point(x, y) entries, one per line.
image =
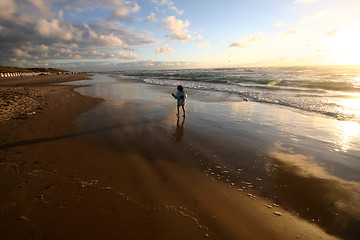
point(344, 47)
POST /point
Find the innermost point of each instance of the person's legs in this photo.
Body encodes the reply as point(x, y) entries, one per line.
point(178, 110)
point(183, 107)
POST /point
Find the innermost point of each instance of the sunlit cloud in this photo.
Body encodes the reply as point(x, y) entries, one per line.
point(204, 44)
point(43, 6)
point(292, 31)
point(168, 4)
point(245, 41)
point(278, 25)
point(127, 56)
point(52, 31)
point(332, 32)
point(7, 9)
point(177, 29)
point(164, 49)
point(28, 34)
point(318, 17)
point(123, 9)
point(151, 18)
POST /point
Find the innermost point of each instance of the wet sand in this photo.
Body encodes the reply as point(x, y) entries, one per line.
point(59, 180)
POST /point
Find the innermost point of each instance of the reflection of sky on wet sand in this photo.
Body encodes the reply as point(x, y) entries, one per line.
point(180, 129)
point(265, 123)
point(302, 184)
point(235, 135)
point(341, 135)
point(347, 132)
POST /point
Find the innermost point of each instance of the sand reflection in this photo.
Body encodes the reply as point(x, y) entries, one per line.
point(305, 187)
point(180, 129)
point(347, 132)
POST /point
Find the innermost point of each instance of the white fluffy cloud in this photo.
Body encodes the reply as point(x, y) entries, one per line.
point(112, 41)
point(177, 29)
point(245, 41)
point(164, 49)
point(151, 18)
point(52, 29)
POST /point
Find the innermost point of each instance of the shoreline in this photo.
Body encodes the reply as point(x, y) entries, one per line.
point(57, 184)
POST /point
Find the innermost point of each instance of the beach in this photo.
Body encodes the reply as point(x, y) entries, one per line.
point(115, 162)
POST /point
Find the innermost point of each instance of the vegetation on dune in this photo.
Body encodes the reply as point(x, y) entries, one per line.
point(17, 69)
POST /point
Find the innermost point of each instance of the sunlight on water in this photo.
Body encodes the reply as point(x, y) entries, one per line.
point(350, 107)
point(348, 131)
point(356, 82)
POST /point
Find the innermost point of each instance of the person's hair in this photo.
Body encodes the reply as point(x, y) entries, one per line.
point(180, 88)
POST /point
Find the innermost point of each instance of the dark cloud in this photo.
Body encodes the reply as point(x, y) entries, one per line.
point(31, 33)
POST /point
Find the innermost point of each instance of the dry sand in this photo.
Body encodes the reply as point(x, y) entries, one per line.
point(55, 184)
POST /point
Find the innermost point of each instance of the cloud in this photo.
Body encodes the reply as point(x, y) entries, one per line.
point(52, 29)
point(7, 9)
point(332, 32)
point(177, 29)
point(204, 44)
point(21, 53)
point(245, 41)
point(291, 31)
point(28, 35)
point(43, 6)
point(130, 37)
point(318, 17)
point(151, 18)
point(127, 56)
point(306, 1)
point(112, 41)
point(278, 25)
point(168, 4)
point(164, 49)
point(122, 9)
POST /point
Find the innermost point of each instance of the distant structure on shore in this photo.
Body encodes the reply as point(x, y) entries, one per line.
point(20, 72)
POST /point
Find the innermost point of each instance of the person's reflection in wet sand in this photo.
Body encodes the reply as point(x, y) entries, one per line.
point(180, 130)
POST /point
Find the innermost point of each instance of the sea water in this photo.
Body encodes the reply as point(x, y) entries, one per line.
point(329, 90)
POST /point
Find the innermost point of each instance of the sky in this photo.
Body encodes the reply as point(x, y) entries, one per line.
point(110, 35)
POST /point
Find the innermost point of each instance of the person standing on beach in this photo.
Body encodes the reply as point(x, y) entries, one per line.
point(181, 99)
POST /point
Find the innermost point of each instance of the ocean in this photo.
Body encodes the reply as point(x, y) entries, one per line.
point(333, 91)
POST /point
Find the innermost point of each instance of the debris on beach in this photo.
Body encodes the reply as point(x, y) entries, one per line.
point(19, 102)
point(252, 196)
point(88, 183)
point(278, 214)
